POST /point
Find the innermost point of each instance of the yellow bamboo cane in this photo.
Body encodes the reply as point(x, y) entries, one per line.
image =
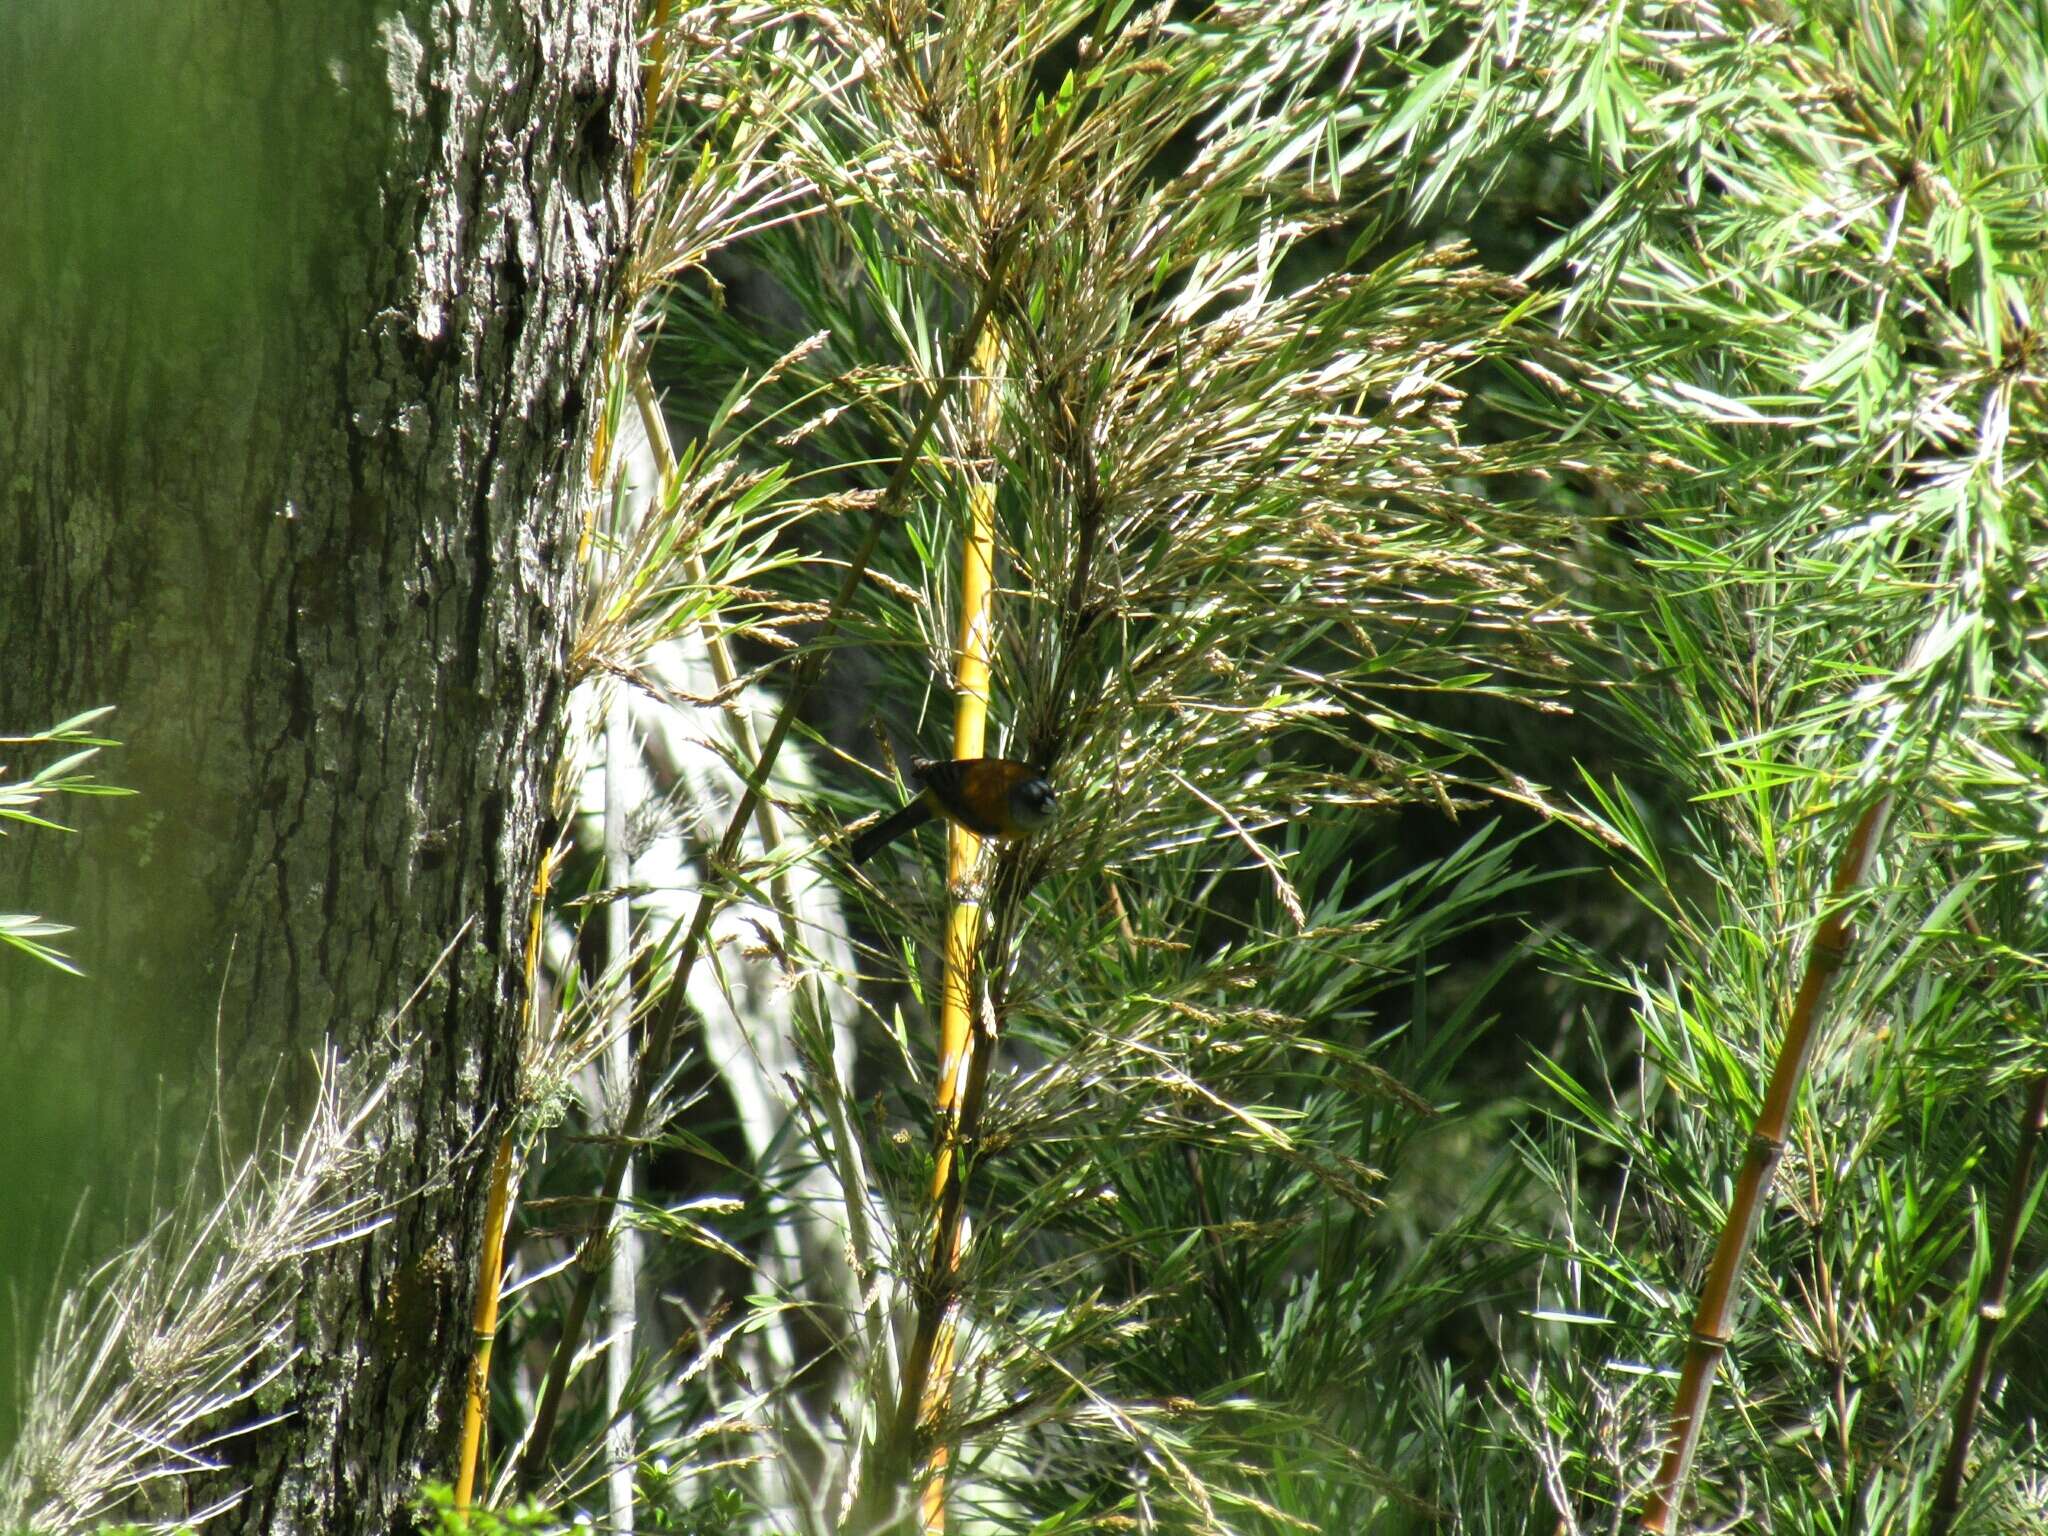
point(490, 1271)
point(963, 920)
point(491, 1265)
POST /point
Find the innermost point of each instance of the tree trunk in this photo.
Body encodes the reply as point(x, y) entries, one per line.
point(297, 315)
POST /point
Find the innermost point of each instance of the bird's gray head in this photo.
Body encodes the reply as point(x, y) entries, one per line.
point(1033, 803)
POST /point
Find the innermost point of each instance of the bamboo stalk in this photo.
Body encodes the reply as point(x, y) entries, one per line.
point(484, 1322)
point(622, 1259)
point(491, 1263)
point(1713, 1323)
point(600, 459)
point(1991, 1310)
point(963, 924)
point(844, 1145)
point(923, 1382)
point(966, 1054)
point(658, 1046)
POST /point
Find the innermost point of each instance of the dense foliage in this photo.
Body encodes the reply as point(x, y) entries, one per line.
point(1485, 499)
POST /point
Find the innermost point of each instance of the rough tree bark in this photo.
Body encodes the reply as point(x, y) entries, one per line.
point(297, 313)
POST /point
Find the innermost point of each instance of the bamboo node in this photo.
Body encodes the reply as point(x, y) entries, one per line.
point(1832, 945)
point(597, 1252)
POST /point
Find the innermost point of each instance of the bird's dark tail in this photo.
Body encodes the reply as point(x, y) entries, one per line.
point(887, 830)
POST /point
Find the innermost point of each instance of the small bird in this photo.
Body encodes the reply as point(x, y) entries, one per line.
point(989, 796)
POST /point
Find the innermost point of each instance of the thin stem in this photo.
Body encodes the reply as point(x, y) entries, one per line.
point(623, 1280)
point(845, 1146)
point(659, 1045)
point(1713, 1323)
point(1991, 1310)
point(650, 96)
point(490, 1276)
point(812, 1014)
point(930, 1351)
point(484, 1322)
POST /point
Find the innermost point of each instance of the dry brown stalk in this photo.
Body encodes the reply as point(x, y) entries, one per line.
point(1713, 1323)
